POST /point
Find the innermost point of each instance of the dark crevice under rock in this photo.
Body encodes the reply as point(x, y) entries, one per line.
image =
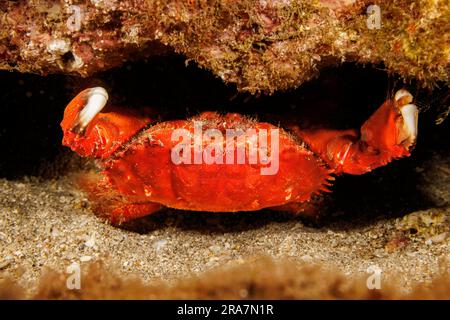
point(32, 107)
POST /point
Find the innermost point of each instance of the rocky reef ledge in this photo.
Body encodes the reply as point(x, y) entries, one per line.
point(260, 46)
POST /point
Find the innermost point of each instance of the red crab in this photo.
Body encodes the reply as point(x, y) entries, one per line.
point(140, 174)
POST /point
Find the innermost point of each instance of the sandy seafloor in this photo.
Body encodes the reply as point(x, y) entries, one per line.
point(46, 223)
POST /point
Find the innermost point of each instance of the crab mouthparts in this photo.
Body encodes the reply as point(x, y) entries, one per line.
point(96, 99)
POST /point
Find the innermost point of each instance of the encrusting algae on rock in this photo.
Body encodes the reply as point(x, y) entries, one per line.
point(261, 46)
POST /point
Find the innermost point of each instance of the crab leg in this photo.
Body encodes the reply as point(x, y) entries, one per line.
point(390, 133)
point(110, 204)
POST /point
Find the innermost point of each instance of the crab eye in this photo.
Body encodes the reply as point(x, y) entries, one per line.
point(96, 99)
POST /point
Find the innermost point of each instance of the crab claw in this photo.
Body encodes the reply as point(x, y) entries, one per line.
point(408, 122)
point(92, 133)
point(390, 133)
point(393, 127)
point(95, 100)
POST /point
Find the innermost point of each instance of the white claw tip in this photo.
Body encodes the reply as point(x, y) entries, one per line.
point(404, 96)
point(96, 99)
point(410, 115)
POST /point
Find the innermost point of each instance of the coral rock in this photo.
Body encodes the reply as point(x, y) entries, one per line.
point(261, 46)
